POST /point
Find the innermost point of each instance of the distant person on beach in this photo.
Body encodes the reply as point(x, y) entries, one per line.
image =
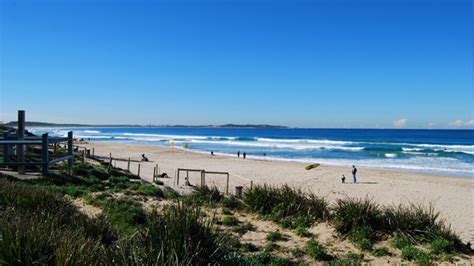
point(212, 153)
point(144, 158)
point(264, 154)
point(238, 154)
point(354, 174)
point(343, 179)
point(244, 155)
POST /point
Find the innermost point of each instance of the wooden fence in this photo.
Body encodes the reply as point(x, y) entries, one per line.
point(9, 142)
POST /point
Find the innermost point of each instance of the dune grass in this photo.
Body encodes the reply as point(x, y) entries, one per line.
point(40, 226)
point(287, 206)
point(361, 220)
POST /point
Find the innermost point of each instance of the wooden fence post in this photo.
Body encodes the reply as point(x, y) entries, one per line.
point(20, 133)
point(251, 184)
point(177, 177)
point(203, 182)
point(70, 148)
point(93, 152)
point(83, 156)
point(45, 153)
point(227, 185)
point(139, 170)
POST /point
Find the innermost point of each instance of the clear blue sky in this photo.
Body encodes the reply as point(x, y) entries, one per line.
point(299, 63)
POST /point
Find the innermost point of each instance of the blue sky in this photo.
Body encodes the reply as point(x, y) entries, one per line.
point(297, 63)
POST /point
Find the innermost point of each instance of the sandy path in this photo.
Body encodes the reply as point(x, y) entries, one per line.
point(452, 196)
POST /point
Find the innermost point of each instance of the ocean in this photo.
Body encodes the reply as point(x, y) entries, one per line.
point(441, 152)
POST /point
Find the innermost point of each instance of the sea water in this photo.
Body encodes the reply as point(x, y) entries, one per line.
point(443, 152)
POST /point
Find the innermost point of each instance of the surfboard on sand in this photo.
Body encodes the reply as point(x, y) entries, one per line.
point(311, 166)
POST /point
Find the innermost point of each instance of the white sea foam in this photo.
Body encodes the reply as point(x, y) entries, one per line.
point(411, 149)
point(435, 165)
point(390, 155)
point(278, 145)
point(468, 149)
point(315, 141)
point(92, 131)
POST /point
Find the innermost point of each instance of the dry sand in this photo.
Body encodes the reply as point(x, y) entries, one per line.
point(452, 196)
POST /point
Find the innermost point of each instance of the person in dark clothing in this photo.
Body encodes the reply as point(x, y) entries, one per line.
point(343, 179)
point(354, 174)
point(238, 154)
point(144, 158)
point(245, 155)
point(212, 153)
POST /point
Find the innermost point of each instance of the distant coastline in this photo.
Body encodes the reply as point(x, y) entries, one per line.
point(46, 124)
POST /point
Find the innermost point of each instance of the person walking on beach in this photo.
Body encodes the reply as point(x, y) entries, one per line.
point(245, 155)
point(343, 179)
point(354, 174)
point(238, 154)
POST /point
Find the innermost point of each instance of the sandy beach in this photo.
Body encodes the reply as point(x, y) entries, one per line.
point(451, 196)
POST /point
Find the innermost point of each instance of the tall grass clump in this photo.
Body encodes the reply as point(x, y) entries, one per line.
point(38, 226)
point(418, 223)
point(204, 195)
point(179, 234)
point(350, 214)
point(359, 219)
point(288, 206)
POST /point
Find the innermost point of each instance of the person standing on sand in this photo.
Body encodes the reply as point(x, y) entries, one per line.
point(238, 154)
point(245, 155)
point(354, 173)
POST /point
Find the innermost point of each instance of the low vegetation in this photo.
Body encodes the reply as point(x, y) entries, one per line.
point(39, 224)
point(287, 206)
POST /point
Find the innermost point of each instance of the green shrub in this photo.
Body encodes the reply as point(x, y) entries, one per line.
point(351, 259)
point(401, 241)
point(147, 190)
point(271, 246)
point(381, 252)
point(297, 252)
point(249, 247)
point(230, 221)
point(362, 236)
point(226, 211)
point(231, 203)
point(303, 231)
point(316, 251)
point(244, 228)
point(409, 252)
point(275, 236)
point(441, 245)
point(126, 215)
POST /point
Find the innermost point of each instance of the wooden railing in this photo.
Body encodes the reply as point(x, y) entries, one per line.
point(9, 141)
